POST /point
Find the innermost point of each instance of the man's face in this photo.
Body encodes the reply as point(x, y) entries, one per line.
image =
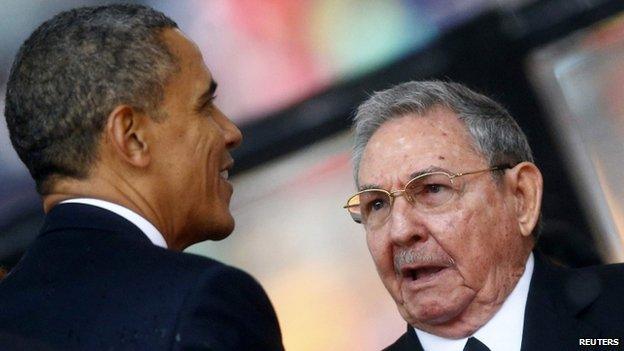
point(191, 156)
point(446, 265)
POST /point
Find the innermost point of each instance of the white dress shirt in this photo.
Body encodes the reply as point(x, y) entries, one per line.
point(501, 333)
point(143, 224)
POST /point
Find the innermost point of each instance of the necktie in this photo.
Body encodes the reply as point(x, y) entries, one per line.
point(474, 344)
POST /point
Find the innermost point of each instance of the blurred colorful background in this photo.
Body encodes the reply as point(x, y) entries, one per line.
point(290, 74)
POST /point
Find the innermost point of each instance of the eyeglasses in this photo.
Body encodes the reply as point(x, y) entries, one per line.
point(426, 191)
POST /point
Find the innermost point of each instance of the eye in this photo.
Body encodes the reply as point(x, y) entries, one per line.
point(374, 201)
point(431, 190)
point(378, 205)
point(207, 106)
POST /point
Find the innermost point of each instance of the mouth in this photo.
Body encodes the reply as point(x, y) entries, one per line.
point(224, 173)
point(422, 274)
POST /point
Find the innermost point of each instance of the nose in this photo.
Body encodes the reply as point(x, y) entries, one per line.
point(232, 135)
point(406, 226)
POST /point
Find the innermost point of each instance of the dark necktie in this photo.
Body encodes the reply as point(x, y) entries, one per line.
point(474, 344)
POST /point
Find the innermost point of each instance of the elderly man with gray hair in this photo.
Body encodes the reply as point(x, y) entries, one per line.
point(449, 197)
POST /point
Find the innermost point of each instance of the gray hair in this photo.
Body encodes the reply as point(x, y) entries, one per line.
point(494, 132)
point(71, 73)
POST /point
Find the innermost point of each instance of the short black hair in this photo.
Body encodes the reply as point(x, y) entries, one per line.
point(68, 76)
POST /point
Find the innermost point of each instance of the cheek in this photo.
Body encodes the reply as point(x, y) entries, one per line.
point(482, 238)
point(381, 251)
point(492, 226)
point(474, 223)
point(209, 152)
point(373, 246)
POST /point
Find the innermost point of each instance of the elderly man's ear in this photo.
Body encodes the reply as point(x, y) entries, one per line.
point(526, 184)
point(126, 132)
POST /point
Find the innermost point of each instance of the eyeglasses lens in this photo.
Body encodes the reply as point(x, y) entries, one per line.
point(430, 191)
point(372, 206)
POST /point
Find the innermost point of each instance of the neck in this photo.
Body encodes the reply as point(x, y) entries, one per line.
point(115, 189)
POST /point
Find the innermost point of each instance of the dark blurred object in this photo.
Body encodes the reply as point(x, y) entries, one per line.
point(566, 245)
point(18, 234)
point(21, 217)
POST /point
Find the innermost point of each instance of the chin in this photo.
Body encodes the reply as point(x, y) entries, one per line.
point(220, 235)
point(431, 315)
point(443, 326)
point(220, 230)
point(428, 310)
point(439, 317)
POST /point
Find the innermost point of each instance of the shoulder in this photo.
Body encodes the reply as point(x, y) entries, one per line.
point(200, 267)
point(605, 271)
point(193, 274)
point(595, 294)
point(608, 279)
point(554, 275)
point(191, 263)
point(605, 278)
point(224, 284)
point(225, 309)
point(214, 277)
point(607, 310)
point(579, 284)
point(220, 307)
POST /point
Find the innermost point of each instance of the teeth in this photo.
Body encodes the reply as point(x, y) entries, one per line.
point(224, 174)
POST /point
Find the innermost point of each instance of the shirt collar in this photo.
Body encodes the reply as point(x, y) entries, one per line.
point(143, 224)
point(502, 332)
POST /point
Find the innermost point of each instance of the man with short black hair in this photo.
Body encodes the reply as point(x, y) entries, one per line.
point(449, 197)
point(111, 109)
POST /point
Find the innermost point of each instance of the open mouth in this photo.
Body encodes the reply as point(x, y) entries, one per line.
point(225, 171)
point(421, 274)
point(224, 174)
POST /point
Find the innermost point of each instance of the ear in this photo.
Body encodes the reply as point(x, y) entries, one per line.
point(526, 184)
point(125, 130)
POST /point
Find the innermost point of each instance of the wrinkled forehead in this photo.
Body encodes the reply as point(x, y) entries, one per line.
point(412, 143)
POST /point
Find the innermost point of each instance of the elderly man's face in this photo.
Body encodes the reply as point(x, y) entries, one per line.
point(445, 265)
point(192, 153)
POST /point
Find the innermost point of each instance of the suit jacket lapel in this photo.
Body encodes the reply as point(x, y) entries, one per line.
point(407, 342)
point(556, 297)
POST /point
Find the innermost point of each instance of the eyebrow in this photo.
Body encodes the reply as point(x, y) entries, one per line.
point(428, 170)
point(411, 176)
point(207, 96)
point(369, 186)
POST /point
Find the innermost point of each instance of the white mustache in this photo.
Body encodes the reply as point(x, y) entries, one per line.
point(420, 256)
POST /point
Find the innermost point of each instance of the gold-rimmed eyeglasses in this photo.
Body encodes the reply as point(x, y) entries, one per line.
point(425, 191)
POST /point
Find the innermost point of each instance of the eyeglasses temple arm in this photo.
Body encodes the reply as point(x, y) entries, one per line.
point(495, 168)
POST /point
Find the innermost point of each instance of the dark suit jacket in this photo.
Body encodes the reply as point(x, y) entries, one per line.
point(563, 306)
point(93, 281)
